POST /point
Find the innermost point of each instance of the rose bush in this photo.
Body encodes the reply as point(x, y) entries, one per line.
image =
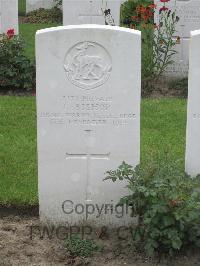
point(16, 70)
point(167, 204)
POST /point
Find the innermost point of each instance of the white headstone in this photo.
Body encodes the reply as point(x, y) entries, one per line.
point(90, 11)
point(0, 17)
point(189, 13)
point(193, 115)
point(36, 4)
point(9, 16)
point(88, 112)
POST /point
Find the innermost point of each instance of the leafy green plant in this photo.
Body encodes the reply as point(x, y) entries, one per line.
point(163, 47)
point(81, 247)
point(158, 42)
point(167, 203)
point(16, 70)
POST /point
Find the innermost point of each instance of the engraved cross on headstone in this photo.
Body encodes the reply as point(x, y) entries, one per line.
point(88, 156)
point(90, 14)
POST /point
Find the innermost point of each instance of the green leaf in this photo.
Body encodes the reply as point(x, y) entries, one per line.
point(176, 243)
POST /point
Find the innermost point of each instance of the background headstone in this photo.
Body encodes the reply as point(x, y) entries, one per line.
point(9, 16)
point(193, 116)
point(189, 13)
point(88, 111)
point(90, 11)
point(36, 4)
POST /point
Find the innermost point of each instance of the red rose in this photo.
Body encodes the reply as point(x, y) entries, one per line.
point(10, 33)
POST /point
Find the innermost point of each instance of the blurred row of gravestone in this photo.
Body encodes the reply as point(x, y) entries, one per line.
point(90, 12)
point(74, 11)
point(77, 12)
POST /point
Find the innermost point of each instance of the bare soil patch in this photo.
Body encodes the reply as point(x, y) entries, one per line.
point(17, 248)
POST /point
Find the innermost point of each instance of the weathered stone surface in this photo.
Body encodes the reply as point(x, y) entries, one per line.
point(193, 115)
point(88, 111)
point(91, 12)
point(9, 16)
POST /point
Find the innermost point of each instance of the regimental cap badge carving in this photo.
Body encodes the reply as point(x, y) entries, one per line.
point(88, 65)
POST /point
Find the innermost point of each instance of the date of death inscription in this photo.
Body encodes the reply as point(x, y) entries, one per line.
point(87, 110)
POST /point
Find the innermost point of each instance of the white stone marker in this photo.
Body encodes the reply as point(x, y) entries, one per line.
point(189, 13)
point(193, 115)
point(36, 4)
point(88, 113)
point(76, 12)
point(9, 16)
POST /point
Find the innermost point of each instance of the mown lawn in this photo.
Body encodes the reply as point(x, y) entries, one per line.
point(162, 131)
point(18, 175)
point(27, 31)
point(163, 128)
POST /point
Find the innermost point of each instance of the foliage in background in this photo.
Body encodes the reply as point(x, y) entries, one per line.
point(163, 46)
point(179, 85)
point(16, 70)
point(157, 39)
point(41, 15)
point(127, 9)
point(81, 247)
point(167, 203)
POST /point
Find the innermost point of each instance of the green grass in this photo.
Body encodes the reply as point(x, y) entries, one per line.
point(18, 175)
point(27, 31)
point(22, 7)
point(162, 130)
